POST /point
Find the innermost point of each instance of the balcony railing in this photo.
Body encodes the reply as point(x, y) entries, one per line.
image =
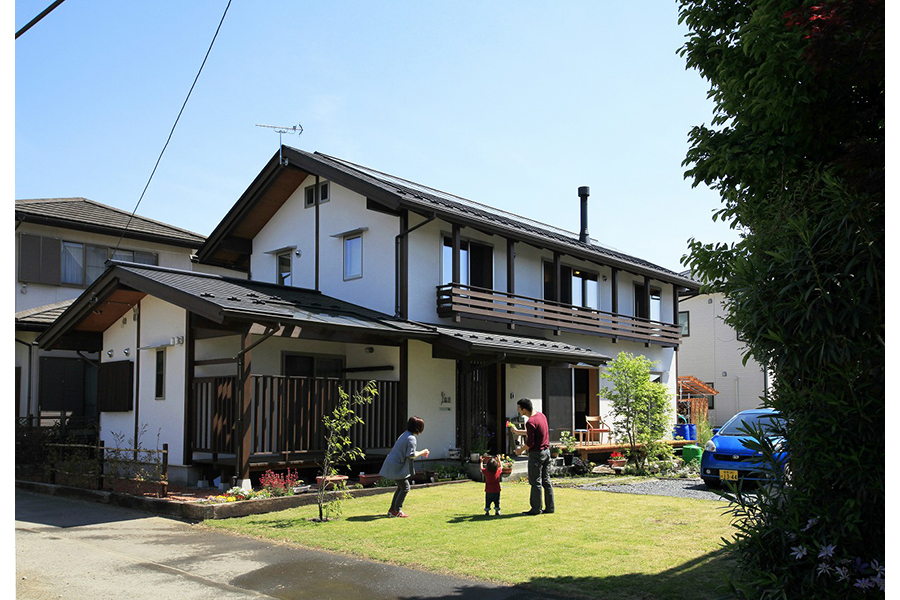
point(456, 300)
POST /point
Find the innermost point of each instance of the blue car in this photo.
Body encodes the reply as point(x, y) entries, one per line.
point(725, 458)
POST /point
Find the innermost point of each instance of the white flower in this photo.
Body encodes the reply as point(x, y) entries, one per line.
point(879, 581)
point(827, 551)
point(824, 569)
point(798, 552)
point(810, 523)
point(843, 573)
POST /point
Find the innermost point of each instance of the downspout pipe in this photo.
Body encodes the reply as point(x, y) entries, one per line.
point(397, 265)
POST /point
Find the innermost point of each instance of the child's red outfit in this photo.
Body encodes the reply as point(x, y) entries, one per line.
point(491, 489)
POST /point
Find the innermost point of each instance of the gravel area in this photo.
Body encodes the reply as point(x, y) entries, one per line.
point(679, 488)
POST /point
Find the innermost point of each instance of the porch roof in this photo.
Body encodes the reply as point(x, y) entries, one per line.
point(220, 299)
point(40, 317)
point(462, 343)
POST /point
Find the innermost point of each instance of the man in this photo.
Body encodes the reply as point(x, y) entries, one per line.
point(537, 444)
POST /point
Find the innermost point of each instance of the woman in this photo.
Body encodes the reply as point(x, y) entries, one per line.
point(399, 463)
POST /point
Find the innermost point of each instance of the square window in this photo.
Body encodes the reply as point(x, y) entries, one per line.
point(353, 257)
point(309, 198)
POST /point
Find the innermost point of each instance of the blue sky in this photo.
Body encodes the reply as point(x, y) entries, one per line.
point(515, 105)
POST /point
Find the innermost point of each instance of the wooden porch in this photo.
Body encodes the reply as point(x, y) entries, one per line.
point(584, 449)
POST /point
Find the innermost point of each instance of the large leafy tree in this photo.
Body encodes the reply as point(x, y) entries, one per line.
point(796, 150)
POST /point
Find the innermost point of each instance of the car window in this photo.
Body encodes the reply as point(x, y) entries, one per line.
point(738, 425)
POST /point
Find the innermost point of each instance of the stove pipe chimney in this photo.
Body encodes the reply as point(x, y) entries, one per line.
point(583, 193)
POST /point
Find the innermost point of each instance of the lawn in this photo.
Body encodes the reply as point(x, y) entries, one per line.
point(597, 544)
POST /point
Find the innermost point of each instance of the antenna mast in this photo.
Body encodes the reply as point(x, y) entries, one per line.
point(298, 129)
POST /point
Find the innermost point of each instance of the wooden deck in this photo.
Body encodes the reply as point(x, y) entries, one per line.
point(583, 450)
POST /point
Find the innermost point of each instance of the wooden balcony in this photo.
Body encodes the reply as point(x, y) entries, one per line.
point(456, 301)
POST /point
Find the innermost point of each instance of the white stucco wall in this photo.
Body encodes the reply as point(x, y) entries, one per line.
point(159, 421)
point(294, 225)
point(428, 379)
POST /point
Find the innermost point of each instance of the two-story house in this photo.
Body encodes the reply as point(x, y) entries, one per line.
point(712, 351)
point(456, 309)
point(62, 245)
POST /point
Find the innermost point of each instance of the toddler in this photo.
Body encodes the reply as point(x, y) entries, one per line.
point(491, 471)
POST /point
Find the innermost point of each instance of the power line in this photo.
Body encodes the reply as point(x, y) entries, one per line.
point(166, 145)
point(34, 21)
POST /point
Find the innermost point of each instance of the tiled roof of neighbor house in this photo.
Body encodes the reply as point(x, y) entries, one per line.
point(86, 215)
point(41, 316)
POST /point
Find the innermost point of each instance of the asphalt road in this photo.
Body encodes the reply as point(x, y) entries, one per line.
point(74, 549)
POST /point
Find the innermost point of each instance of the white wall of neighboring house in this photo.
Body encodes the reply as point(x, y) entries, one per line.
point(713, 354)
point(32, 295)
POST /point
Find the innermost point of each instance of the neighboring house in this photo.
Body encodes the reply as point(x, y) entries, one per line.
point(62, 245)
point(712, 352)
point(456, 309)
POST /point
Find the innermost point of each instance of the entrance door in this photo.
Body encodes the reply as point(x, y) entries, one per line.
point(479, 404)
point(558, 407)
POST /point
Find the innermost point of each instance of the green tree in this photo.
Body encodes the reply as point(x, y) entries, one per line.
point(641, 409)
point(796, 151)
point(339, 447)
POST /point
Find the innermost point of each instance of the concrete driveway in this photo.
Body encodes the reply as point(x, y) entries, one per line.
point(69, 548)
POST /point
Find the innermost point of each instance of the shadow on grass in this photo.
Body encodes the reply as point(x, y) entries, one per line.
point(699, 578)
point(484, 517)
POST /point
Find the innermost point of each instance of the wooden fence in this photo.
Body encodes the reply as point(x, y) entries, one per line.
point(286, 414)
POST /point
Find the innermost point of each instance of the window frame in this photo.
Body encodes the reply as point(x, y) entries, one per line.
point(279, 272)
point(315, 358)
point(686, 325)
point(465, 261)
point(159, 374)
point(309, 195)
point(344, 241)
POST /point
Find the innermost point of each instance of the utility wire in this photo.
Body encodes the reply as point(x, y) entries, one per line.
point(166, 145)
point(34, 21)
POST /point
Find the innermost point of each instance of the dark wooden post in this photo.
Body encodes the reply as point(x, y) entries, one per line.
point(316, 198)
point(243, 437)
point(164, 475)
point(511, 273)
point(456, 248)
point(614, 304)
point(557, 277)
point(101, 460)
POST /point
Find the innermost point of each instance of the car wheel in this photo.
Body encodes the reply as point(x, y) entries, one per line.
point(711, 482)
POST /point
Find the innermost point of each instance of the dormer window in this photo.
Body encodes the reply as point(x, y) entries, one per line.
point(310, 197)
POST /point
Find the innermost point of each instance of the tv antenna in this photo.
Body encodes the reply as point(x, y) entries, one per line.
point(298, 129)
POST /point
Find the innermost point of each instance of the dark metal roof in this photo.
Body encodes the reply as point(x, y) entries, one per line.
point(394, 192)
point(86, 215)
point(467, 342)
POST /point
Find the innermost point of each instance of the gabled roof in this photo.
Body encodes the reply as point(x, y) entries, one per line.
point(230, 242)
point(218, 299)
point(86, 215)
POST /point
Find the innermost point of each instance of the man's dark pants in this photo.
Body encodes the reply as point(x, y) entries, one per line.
point(539, 478)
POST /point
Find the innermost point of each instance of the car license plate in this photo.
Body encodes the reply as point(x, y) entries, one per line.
point(727, 475)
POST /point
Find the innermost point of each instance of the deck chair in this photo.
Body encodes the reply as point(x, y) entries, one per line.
point(596, 427)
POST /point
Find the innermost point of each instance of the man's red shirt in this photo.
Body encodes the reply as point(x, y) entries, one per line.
point(537, 432)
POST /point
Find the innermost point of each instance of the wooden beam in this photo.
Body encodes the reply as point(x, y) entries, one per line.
point(243, 436)
point(456, 248)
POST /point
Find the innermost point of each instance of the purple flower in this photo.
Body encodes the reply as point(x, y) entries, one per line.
point(827, 551)
point(879, 568)
point(824, 569)
point(798, 552)
point(864, 583)
point(810, 523)
point(843, 573)
point(879, 581)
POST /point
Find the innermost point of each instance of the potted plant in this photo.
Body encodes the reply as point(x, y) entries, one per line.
point(567, 439)
point(480, 438)
point(617, 459)
point(554, 451)
point(506, 464)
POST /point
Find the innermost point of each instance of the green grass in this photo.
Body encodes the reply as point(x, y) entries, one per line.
point(596, 545)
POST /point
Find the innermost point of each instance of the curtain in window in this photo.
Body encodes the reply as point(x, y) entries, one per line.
point(72, 263)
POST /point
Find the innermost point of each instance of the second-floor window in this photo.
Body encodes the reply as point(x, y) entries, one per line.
point(577, 287)
point(476, 264)
point(640, 310)
point(310, 194)
point(283, 268)
point(82, 264)
point(353, 256)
